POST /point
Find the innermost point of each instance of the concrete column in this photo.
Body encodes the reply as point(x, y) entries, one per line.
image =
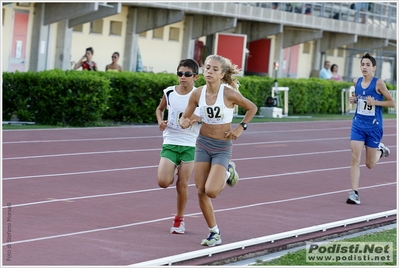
point(317, 60)
point(131, 42)
point(278, 53)
point(40, 41)
point(188, 43)
point(63, 46)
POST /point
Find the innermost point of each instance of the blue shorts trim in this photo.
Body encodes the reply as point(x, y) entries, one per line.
point(371, 138)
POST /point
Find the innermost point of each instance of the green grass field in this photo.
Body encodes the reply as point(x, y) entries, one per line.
point(298, 258)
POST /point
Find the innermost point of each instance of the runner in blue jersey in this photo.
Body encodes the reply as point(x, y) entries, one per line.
point(371, 94)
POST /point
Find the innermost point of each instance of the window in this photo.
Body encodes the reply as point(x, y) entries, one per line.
point(306, 48)
point(174, 33)
point(158, 33)
point(115, 28)
point(96, 26)
point(143, 34)
point(341, 52)
point(78, 28)
point(330, 52)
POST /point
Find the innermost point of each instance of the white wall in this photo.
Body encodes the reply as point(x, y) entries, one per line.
point(6, 31)
point(161, 55)
point(305, 66)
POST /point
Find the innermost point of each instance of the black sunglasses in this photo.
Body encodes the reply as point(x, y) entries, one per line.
point(186, 74)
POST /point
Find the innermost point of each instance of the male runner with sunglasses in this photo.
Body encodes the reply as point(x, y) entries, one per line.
point(178, 149)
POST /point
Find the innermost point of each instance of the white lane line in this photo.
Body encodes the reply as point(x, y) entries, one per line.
point(192, 214)
point(160, 136)
point(91, 139)
point(173, 187)
point(144, 137)
point(89, 128)
point(83, 153)
point(152, 166)
point(152, 149)
point(78, 173)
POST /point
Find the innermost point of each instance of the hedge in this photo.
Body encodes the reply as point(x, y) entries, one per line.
point(83, 98)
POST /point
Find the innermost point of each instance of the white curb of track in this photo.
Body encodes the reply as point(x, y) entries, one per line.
point(260, 240)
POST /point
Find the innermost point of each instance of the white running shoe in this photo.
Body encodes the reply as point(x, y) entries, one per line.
point(353, 198)
point(233, 178)
point(384, 149)
point(212, 240)
point(178, 227)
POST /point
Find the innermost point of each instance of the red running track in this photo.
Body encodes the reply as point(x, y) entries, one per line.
point(89, 196)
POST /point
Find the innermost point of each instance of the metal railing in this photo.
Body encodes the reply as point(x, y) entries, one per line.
point(374, 13)
point(393, 94)
point(347, 107)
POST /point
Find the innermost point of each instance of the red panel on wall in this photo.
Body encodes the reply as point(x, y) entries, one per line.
point(198, 48)
point(19, 39)
point(20, 33)
point(232, 46)
point(259, 56)
point(290, 63)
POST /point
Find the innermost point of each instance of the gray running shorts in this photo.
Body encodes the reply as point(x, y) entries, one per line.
point(213, 151)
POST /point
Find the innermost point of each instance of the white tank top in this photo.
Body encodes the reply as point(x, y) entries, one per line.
point(218, 113)
point(174, 134)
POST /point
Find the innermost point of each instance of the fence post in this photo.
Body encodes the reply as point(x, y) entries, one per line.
point(393, 94)
point(346, 106)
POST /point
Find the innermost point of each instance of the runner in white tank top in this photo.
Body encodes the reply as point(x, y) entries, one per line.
point(218, 113)
point(213, 149)
point(178, 149)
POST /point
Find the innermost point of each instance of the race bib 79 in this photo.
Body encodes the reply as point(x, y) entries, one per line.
point(365, 109)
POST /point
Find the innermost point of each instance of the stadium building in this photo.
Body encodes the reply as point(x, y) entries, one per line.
point(154, 36)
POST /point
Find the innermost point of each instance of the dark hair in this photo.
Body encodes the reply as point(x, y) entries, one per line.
point(90, 49)
point(117, 53)
point(332, 67)
point(189, 63)
point(371, 58)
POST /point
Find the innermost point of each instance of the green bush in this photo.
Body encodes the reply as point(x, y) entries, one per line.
point(135, 96)
point(55, 97)
point(82, 98)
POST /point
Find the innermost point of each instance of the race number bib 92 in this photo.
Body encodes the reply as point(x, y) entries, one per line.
point(213, 114)
point(365, 109)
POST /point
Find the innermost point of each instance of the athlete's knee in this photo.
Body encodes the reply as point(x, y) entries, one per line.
point(370, 164)
point(212, 193)
point(356, 158)
point(181, 185)
point(164, 182)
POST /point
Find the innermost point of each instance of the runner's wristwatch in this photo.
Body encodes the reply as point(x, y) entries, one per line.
point(244, 125)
